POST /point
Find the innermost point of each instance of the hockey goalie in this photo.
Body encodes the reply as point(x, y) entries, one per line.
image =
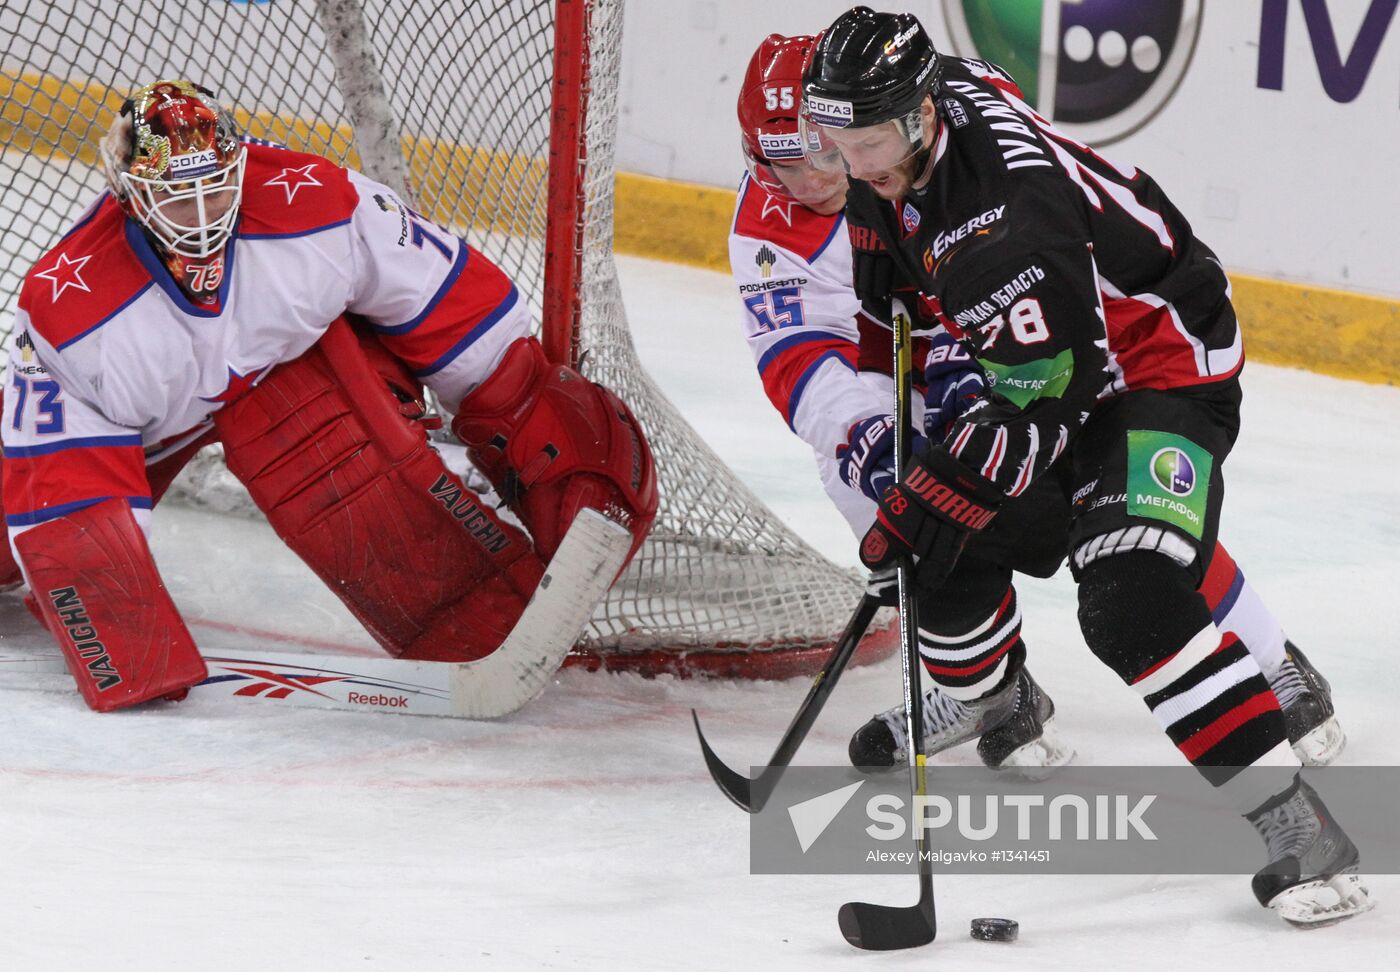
point(230, 291)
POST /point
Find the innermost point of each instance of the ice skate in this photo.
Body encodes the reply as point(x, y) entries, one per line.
point(1306, 700)
point(1015, 726)
point(1311, 878)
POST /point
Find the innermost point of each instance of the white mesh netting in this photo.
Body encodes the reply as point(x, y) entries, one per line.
point(451, 102)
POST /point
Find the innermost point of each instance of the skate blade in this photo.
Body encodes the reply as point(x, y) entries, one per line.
point(1321, 745)
point(1037, 758)
point(1317, 904)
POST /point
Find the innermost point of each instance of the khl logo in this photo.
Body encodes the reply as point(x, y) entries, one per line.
point(1099, 71)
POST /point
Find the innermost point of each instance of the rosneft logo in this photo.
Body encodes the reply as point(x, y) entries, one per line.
point(764, 260)
point(1099, 70)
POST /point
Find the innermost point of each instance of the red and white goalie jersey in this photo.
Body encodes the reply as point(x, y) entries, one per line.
point(792, 266)
point(113, 366)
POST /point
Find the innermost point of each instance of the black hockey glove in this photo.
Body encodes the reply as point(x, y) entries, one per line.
point(930, 515)
point(872, 277)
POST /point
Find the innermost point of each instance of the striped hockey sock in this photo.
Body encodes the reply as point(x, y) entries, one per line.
point(971, 663)
point(1217, 707)
point(1238, 609)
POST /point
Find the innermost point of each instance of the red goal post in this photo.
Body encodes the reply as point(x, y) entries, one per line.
point(497, 118)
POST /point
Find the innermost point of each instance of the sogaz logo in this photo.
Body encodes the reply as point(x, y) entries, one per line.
point(1100, 69)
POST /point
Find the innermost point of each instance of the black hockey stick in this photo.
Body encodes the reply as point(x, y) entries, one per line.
point(886, 927)
point(752, 795)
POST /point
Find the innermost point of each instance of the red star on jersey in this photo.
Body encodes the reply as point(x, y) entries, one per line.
point(237, 385)
point(64, 274)
point(293, 179)
point(783, 207)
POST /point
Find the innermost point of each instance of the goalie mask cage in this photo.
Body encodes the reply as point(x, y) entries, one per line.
point(496, 118)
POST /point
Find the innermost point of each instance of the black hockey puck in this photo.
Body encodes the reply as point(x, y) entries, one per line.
point(994, 929)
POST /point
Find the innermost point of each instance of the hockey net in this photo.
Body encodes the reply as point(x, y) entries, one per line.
point(496, 118)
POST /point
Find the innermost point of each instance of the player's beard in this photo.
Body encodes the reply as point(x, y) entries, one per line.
point(895, 183)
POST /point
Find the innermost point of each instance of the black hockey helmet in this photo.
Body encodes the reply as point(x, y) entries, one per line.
point(868, 68)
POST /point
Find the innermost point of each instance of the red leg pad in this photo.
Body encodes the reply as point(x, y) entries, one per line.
point(160, 476)
point(553, 442)
point(97, 588)
point(349, 482)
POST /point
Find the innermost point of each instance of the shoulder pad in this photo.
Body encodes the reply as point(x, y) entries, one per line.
point(80, 284)
point(783, 222)
point(288, 193)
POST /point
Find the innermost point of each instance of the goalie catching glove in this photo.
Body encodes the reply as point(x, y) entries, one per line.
point(929, 516)
point(553, 443)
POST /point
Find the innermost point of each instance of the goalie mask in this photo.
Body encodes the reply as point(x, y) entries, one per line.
point(864, 94)
point(175, 164)
point(769, 100)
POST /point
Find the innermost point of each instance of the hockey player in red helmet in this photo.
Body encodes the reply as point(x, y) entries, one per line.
point(768, 117)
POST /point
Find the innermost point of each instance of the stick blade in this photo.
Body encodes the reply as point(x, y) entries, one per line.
point(738, 787)
point(579, 574)
point(884, 928)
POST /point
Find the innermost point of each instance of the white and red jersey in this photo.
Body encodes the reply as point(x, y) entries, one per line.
point(112, 365)
point(792, 266)
point(793, 270)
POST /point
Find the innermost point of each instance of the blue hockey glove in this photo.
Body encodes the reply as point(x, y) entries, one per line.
point(866, 461)
point(953, 383)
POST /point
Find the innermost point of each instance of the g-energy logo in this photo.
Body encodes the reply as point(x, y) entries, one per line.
point(942, 241)
point(900, 39)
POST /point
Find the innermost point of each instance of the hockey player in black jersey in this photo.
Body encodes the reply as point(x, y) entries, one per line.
point(1106, 331)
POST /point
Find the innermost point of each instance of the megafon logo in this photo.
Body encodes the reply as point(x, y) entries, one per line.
point(1173, 471)
point(1343, 72)
point(1099, 70)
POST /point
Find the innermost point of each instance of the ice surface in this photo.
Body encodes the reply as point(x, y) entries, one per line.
point(584, 832)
